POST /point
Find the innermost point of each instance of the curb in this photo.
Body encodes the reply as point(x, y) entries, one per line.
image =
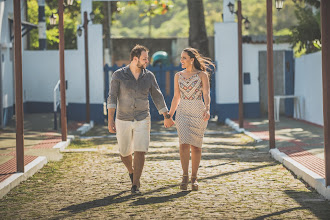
point(85, 127)
point(17, 178)
point(63, 144)
point(235, 126)
point(30, 169)
point(313, 179)
point(79, 150)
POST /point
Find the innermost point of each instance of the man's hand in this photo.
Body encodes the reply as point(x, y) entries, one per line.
point(168, 122)
point(112, 126)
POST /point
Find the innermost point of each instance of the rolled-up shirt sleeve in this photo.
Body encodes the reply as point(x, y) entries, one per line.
point(113, 91)
point(157, 96)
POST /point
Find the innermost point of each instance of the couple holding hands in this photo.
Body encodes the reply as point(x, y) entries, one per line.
point(128, 97)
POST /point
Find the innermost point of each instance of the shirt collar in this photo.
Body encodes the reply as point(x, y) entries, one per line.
point(128, 70)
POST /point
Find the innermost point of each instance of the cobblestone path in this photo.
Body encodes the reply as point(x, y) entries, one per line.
point(238, 180)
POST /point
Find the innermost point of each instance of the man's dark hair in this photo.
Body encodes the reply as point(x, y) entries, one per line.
point(137, 50)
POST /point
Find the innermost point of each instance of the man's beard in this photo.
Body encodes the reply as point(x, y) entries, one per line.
point(139, 65)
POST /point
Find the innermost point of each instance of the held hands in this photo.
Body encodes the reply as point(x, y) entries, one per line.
point(206, 115)
point(168, 122)
point(112, 126)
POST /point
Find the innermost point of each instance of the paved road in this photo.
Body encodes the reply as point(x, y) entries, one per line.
point(238, 180)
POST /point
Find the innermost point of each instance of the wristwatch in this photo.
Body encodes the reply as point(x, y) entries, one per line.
point(167, 116)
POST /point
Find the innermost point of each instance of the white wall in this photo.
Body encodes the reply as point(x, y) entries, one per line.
point(251, 65)
point(6, 8)
point(227, 15)
point(226, 56)
point(41, 71)
point(226, 53)
point(308, 85)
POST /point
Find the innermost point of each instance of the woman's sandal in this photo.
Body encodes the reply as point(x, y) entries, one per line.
point(194, 183)
point(184, 183)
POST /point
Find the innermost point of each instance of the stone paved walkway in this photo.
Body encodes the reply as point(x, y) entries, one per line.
point(39, 140)
point(238, 180)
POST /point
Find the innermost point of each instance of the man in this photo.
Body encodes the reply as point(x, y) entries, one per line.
point(129, 90)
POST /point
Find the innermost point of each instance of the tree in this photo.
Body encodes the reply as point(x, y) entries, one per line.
point(197, 31)
point(70, 24)
point(306, 35)
point(156, 8)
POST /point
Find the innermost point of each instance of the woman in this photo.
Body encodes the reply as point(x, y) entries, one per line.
point(191, 86)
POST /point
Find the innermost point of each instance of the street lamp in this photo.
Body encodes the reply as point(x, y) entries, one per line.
point(247, 23)
point(240, 57)
point(231, 7)
point(279, 4)
point(246, 20)
point(80, 28)
point(52, 18)
point(92, 16)
point(70, 2)
point(79, 32)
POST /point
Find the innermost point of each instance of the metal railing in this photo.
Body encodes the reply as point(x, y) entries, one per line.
point(56, 102)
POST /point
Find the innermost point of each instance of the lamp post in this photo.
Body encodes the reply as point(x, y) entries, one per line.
point(325, 36)
point(62, 71)
point(52, 20)
point(270, 73)
point(79, 31)
point(240, 58)
point(19, 87)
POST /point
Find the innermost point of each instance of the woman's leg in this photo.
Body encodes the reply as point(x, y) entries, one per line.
point(196, 154)
point(184, 157)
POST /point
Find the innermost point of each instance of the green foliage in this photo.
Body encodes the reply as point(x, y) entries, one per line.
point(255, 10)
point(71, 21)
point(127, 22)
point(175, 23)
point(315, 3)
point(159, 7)
point(306, 35)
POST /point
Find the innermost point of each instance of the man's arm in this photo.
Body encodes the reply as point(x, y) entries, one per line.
point(112, 102)
point(157, 96)
point(158, 99)
point(113, 91)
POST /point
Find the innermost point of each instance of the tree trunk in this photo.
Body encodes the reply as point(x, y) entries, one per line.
point(197, 31)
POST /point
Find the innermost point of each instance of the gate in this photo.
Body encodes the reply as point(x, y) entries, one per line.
point(165, 78)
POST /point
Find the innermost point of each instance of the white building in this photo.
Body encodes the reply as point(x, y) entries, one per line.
point(41, 73)
point(254, 71)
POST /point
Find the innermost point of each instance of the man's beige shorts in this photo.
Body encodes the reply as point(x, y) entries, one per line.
point(133, 136)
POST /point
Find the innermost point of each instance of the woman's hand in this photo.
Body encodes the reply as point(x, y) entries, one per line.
point(168, 123)
point(206, 115)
